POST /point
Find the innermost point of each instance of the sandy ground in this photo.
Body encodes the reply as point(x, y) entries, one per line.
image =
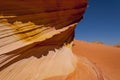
point(106, 57)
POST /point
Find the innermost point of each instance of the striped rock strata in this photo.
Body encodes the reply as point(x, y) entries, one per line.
point(36, 40)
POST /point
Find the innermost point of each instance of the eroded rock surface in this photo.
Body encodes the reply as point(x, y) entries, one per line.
point(36, 40)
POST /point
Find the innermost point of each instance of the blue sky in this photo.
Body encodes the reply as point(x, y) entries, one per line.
point(101, 22)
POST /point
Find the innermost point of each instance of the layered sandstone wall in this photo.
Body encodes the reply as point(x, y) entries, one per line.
point(36, 39)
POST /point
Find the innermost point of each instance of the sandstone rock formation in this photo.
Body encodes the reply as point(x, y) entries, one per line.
point(36, 39)
point(106, 57)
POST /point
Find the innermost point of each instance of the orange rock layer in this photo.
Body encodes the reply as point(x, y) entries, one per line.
point(55, 13)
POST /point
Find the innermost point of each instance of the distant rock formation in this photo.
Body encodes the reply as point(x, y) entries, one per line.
point(36, 39)
point(117, 45)
point(98, 42)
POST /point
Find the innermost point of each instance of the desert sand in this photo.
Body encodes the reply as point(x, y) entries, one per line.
point(106, 57)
